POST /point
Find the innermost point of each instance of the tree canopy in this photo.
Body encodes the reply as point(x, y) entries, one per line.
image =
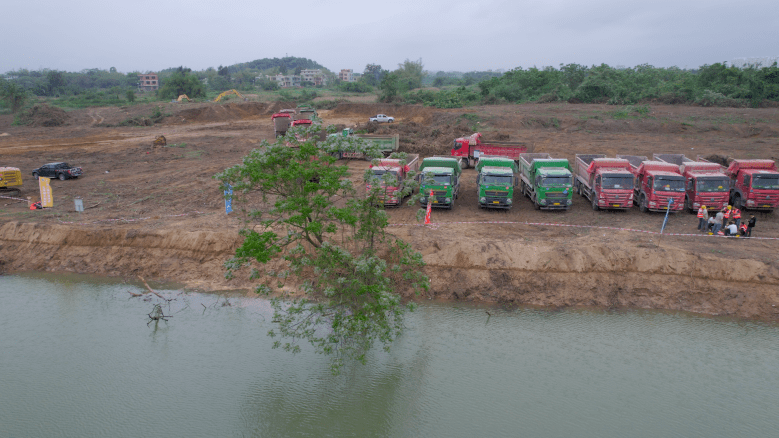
point(181, 82)
point(319, 247)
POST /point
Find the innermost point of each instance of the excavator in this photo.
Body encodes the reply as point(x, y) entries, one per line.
point(225, 93)
point(182, 97)
point(10, 181)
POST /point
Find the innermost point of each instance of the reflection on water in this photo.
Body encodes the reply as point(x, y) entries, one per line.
point(77, 359)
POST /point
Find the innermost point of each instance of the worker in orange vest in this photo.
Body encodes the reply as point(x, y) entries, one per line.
point(726, 213)
point(703, 219)
point(737, 216)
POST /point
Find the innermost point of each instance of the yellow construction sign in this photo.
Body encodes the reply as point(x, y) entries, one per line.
point(47, 200)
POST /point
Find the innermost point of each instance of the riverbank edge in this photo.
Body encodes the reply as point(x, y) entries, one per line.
point(689, 282)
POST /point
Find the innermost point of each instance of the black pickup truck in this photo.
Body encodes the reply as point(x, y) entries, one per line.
point(57, 170)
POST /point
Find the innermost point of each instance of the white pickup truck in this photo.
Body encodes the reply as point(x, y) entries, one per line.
point(382, 118)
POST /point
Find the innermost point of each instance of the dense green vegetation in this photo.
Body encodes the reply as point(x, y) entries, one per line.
point(710, 85)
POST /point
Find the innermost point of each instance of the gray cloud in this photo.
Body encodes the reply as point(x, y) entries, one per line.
point(447, 35)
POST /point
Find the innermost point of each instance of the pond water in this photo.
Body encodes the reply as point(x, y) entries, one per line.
point(78, 360)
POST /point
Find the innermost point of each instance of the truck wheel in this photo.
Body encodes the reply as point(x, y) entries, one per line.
point(595, 203)
point(687, 205)
point(737, 201)
point(535, 204)
point(642, 204)
point(61, 177)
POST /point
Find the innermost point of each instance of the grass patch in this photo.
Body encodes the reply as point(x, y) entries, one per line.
point(632, 112)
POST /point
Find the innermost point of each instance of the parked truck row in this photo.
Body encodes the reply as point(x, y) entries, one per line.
point(672, 182)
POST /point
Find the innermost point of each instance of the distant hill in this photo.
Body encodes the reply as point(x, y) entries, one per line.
point(290, 62)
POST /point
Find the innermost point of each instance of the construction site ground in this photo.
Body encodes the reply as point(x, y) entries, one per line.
point(158, 213)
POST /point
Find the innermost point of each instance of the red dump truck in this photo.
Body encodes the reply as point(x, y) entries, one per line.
point(754, 184)
point(606, 182)
point(472, 147)
point(657, 186)
point(399, 169)
point(705, 182)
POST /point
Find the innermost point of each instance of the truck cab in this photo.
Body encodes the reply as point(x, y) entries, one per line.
point(555, 187)
point(754, 184)
point(495, 182)
point(547, 181)
point(659, 187)
point(441, 175)
point(606, 182)
point(705, 184)
point(390, 174)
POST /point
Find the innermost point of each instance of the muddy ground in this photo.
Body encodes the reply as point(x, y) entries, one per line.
point(160, 214)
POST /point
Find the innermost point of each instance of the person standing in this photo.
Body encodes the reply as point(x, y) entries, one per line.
point(736, 214)
point(718, 219)
point(703, 218)
point(750, 225)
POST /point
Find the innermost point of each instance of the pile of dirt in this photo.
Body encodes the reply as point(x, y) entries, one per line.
point(720, 159)
point(223, 113)
point(43, 115)
point(414, 113)
point(433, 138)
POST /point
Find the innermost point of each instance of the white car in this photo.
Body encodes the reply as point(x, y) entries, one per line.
point(382, 118)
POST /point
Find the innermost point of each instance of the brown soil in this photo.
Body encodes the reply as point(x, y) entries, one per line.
point(159, 213)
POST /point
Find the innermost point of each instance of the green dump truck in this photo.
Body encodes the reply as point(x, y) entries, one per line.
point(441, 175)
point(387, 144)
point(496, 181)
point(546, 181)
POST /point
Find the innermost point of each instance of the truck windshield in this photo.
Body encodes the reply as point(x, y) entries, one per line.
point(438, 179)
point(618, 182)
point(501, 180)
point(378, 174)
point(668, 184)
point(765, 182)
point(713, 185)
point(551, 181)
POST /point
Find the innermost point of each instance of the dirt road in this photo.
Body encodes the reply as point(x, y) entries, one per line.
point(160, 213)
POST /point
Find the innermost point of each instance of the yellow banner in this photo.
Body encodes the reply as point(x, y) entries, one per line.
point(47, 200)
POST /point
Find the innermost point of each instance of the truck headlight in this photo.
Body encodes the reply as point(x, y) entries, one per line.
point(424, 200)
point(508, 201)
point(483, 200)
point(569, 202)
point(447, 200)
point(542, 202)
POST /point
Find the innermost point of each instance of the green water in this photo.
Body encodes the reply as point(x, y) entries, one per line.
point(78, 360)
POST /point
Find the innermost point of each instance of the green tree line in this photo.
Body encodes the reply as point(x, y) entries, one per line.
point(709, 85)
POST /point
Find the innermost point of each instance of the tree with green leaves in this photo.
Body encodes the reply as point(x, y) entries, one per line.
point(181, 82)
point(372, 74)
point(410, 74)
point(332, 271)
point(15, 96)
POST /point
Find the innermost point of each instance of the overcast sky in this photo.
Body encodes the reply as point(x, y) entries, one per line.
point(447, 35)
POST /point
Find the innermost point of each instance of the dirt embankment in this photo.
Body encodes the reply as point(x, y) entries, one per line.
point(580, 272)
point(159, 212)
